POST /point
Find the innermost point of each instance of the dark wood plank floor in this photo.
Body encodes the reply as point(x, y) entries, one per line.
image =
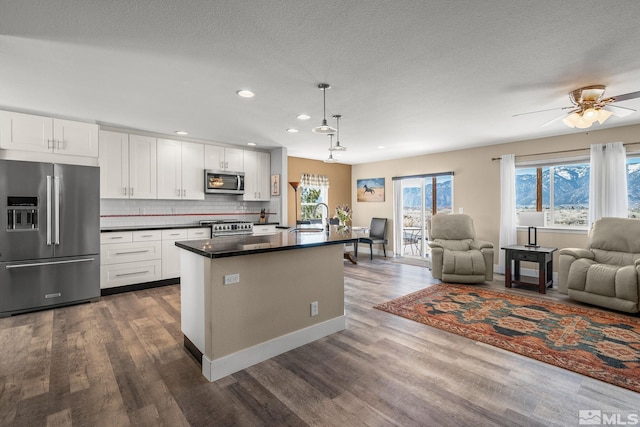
point(120, 362)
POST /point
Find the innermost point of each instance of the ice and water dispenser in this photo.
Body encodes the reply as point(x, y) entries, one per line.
point(22, 213)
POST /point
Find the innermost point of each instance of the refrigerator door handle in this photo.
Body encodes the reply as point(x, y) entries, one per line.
point(48, 225)
point(56, 195)
point(40, 264)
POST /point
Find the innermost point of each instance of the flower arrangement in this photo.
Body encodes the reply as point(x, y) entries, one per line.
point(343, 212)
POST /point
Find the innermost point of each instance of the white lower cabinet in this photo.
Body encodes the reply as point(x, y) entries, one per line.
point(131, 257)
point(171, 253)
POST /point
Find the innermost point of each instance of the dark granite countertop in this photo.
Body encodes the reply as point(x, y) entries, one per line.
point(228, 246)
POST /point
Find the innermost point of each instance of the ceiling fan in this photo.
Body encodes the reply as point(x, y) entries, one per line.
point(590, 106)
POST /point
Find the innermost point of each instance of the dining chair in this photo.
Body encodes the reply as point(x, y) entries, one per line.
point(377, 235)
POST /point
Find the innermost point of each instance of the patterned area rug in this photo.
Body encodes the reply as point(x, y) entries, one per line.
point(599, 344)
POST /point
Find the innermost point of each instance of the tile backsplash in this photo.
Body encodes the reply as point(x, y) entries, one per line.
point(134, 213)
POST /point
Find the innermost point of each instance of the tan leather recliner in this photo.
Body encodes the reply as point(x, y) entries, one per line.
point(457, 257)
point(607, 273)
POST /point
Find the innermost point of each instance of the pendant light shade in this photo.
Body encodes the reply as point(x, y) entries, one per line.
point(330, 159)
point(338, 147)
point(324, 127)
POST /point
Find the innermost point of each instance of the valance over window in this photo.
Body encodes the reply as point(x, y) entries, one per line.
point(312, 180)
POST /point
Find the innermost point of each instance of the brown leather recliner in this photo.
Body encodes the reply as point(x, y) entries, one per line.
point(457, 256)
point(607, 273)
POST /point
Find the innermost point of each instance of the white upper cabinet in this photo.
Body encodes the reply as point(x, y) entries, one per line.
point(127, 166)
point(192, 171)
point(142, 167)
point(223, 158)
point(257, 176)
point(180, 170)
point(26, 132)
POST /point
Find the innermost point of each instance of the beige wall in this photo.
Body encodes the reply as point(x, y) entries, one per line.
point(477, 180)
point(339, 182)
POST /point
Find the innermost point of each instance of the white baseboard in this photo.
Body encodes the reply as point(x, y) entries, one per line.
point(215, 369)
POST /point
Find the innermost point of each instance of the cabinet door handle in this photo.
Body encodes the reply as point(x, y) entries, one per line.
point(124, 191)
point(50, 143)
point(131, 192)
point(116, 237)
point(132, 252)
point(147, 235)
point(60, 145)
point(178, 192)
point(131, 274)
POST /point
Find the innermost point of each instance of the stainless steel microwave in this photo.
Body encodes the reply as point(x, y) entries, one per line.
point(223, 182)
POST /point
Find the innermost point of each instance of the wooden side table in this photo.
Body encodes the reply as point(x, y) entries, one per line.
point(542, 256)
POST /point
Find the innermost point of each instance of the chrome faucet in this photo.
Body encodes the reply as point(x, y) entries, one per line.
point(315, 209)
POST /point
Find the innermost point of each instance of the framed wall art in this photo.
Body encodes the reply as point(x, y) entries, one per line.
point(370, 190)
point(275, 185)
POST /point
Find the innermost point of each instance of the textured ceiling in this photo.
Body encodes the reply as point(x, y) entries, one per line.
point(413, 76)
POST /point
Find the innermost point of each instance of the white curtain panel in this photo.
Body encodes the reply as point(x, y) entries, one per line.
point(608, 181)
point(397, 216)
point(508, 220)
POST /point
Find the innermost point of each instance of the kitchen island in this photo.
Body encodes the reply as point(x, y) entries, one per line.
point(245, 299)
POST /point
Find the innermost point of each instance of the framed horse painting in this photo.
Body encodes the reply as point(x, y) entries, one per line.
point(370, 190)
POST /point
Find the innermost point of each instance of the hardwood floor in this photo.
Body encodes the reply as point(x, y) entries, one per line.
point(120, 362)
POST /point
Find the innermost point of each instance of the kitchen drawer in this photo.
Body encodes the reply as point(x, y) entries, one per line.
point(174, 234)
point(264, 229)
point(199, 233)
point(116, 237)
point(130, 252)
point(129, 273)
point(527, 256)
point(147, 235)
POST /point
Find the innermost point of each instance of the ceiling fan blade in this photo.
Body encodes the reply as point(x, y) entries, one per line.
point(626, 96)
point(619, 111)
point(542, 111)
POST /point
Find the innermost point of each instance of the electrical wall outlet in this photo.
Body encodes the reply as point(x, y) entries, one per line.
point(314, 308)
point(230, 279)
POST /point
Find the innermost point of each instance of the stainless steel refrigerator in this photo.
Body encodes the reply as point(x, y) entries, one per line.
point(49, 235)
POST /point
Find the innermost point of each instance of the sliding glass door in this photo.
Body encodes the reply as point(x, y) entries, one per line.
point(419, 198)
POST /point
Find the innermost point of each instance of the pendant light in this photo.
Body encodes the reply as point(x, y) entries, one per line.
point(338, 147)
point(324, 127)
point(331, 159)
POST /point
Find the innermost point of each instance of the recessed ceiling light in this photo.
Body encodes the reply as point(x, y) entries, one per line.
point(304, 116)
point(292, 130)
point(251, 143)
point(245, 93)
point(380, 147)
point(182, 132)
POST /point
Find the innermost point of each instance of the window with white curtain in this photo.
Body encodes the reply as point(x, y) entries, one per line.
point(560, 189)
point(313, 189)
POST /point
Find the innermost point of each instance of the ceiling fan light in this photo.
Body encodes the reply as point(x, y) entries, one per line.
point(583, 124)
point(603, 115)
point(567, 121)
point(590, 115)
